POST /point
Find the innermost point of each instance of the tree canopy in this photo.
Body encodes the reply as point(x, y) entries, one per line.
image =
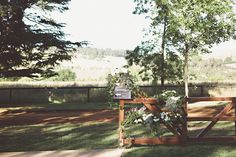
point(187, 27)
point(157, 59)
point(31, 42)
point(199, 25)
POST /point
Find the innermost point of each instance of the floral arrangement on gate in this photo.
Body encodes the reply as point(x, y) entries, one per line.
point(124, 78)
point(172, 113)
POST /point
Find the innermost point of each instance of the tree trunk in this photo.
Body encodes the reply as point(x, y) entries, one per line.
point(186, 72)
point(163, 55)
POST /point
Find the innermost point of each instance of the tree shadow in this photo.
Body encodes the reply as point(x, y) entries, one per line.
point(195, 150)
point(59, 137)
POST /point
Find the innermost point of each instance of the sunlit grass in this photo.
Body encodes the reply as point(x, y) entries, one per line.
point(60, 106)
point(103, 135)
point(182, 151)
point(59, 137)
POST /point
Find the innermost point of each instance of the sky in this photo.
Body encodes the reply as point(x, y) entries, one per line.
point(111, 24)
point(104, 23)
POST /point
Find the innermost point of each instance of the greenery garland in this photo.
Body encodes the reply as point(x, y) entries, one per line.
point(127, 80)
point(172, 113)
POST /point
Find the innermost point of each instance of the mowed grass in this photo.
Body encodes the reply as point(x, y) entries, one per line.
point(58, 137)
point(182, 151)
point(64, 136)
point(59, 106)
point(192, 150)
point(67, 136)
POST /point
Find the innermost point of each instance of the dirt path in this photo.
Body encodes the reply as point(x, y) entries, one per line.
point(79, 116)
point(54, 117)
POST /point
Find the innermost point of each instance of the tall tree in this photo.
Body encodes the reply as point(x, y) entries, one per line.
point(193, 26)
point(158, 61)
point(31, 42)
point(199, 25)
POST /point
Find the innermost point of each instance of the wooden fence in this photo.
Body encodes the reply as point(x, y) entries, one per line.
point(180, 135)
point(12, 95)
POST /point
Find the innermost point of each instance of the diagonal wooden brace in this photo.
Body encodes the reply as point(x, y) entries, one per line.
point(216, 119)
point(155, 109)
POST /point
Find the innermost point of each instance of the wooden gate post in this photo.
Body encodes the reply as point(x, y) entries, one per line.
point(234, 103)
point(185, 123)
point(121, 119)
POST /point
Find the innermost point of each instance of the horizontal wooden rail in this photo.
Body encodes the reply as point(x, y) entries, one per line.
point(151, 141)
point(182, 137)
point(142, 100)
point(198, 99)
point(213, 139)
point(174, 140)
point(211, 119)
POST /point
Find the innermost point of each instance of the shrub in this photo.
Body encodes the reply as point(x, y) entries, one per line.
point(65, 75)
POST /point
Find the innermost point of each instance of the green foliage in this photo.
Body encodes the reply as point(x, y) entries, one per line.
point(9, 79)
point(172, 115)
point(152, 66)
point(200, 24)
point(125, 79)
point(93, 53)
point(188, 27)
point(163, 97)
point(31, 42)
point(155, 55)
point(131, 115)
point(65, 75)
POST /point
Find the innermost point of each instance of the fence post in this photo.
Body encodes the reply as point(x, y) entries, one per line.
point(234, 115)
point(202, 90)
point(121, 119)
point(10, 96)
point(88, 94)
point(185, 123)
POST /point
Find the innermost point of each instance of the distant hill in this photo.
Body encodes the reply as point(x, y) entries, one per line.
point(223, 50)
point(100, 53)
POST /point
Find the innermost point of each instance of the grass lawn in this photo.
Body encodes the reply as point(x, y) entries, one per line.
point(68, 136)
point(58, 137)
point(182, 151)
point(60, 106)
point(81, 106)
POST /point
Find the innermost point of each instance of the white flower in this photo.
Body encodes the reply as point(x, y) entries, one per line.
point(124, 70)
point(115, 71)
point(171, 103)
point(167, 119)
point(141, 110)
point(156, 119)
point(148, 118)
point(172, 100)
point(138, 121)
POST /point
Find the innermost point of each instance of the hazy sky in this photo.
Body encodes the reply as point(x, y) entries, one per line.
point(105, 23)
point(111, 24)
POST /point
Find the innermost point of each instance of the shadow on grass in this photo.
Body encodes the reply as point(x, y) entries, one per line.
point(58, 137)
point(219, 129)
point(58, 106)
point(203, 149)
point(182, 151)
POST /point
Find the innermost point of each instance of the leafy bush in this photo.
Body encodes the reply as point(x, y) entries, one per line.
point(172, 114)
point(65, 75)
point(125, 79)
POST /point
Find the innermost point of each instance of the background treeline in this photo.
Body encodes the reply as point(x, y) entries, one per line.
point(92, 65)
point(100, 53)
point(212, 69)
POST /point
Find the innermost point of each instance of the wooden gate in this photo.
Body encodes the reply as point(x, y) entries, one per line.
point(181, 135)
